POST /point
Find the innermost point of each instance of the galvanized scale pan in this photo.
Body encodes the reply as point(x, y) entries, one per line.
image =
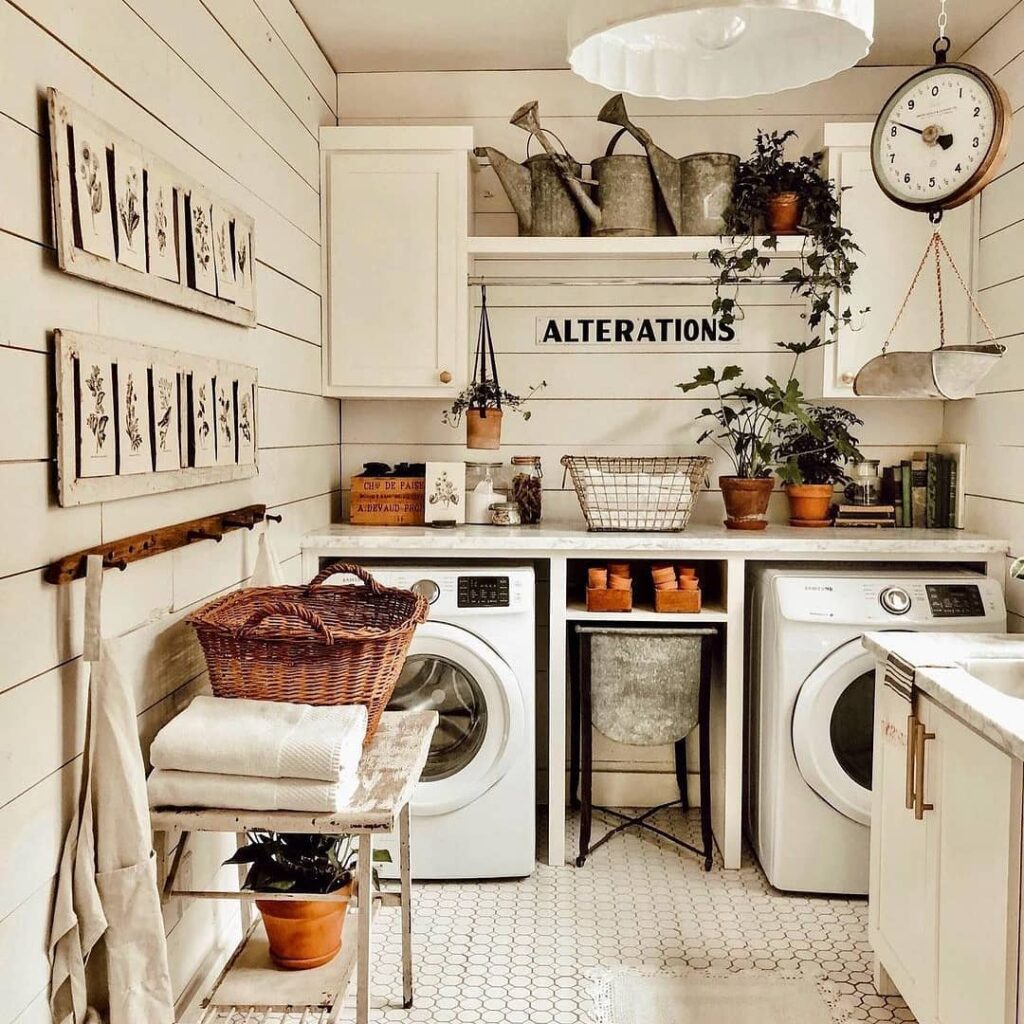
point(949, 371)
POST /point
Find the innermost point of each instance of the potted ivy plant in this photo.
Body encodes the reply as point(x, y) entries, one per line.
point(482, 405)
point(302, 933)
point(778, 196)
point(812, 454)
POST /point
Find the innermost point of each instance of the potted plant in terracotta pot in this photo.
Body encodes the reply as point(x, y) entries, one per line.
point(812, 454)
point(302, 933)
point(482, 405)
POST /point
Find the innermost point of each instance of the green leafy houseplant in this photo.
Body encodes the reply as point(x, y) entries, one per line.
point(302, 933)
point(826, 266)
point(816, 451)
point(482, 406)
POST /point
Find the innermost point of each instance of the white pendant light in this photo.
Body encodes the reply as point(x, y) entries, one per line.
point(716, 49)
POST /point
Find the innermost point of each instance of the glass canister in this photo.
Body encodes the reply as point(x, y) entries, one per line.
point(486, 485)
point(865, 486)
point(527, 487)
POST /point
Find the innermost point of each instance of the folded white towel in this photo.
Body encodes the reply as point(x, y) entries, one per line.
point(169, 788)
point(262, 738)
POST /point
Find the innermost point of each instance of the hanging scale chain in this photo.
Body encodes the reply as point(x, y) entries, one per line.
point(942, 44)
point(943, 20)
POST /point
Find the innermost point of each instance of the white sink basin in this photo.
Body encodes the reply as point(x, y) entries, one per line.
point(1003, 674)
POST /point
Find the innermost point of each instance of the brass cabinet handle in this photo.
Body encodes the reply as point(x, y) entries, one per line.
point(911, 741)
point(445, 377)
point(848, 377)
point(921, 736)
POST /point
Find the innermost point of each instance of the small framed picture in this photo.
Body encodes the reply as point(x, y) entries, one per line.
point(201, 415)
point(128, 206)
point(223, 254)
point(134, 455)
point(243, 267)
point(445, 493)
point(203, 276)
point(92, 190)
point(162, 224)
point(95, 416)
point(245, 398)
point(166, 428)
point(224, 399)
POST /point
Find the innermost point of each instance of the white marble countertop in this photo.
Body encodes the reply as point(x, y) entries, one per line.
point(938, 660)
point(567, 537)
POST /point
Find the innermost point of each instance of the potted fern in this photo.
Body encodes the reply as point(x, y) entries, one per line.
point(482, 406)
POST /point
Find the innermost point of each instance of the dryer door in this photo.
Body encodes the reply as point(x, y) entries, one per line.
point(481, 708)
point(833, 723)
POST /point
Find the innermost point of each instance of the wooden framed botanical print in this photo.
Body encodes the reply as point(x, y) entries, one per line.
point(133, 419)
point(162, 224)
point(224, 402)
point(245, 402)
point(445, 493)
point(244, 295)
point(92, 190)
point(130, 225)
point(223, 253)
point(200, 239)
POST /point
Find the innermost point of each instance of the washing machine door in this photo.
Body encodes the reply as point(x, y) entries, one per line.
point(833, 723)
point(482, 715)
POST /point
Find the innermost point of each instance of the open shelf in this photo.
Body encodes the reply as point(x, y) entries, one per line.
point(688, 246)
point(576, 611)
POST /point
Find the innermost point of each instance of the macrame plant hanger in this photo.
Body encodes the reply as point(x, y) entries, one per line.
point(949, 371)
point(485, 356)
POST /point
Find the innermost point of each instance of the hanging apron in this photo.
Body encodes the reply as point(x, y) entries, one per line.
point(107, 885)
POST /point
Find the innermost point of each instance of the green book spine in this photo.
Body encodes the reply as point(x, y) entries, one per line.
point(897, 492)
point(907, 491)
point(943, 497)
point(954, 471)
point(918, 490)
point(931, 494)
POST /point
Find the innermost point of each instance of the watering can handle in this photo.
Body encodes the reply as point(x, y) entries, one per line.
point(613, 140)
point(548, 131)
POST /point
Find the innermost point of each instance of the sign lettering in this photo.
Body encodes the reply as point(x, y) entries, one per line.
point(661, 330)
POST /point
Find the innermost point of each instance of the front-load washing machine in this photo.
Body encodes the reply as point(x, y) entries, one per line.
point(811, 704)
point(473, 814)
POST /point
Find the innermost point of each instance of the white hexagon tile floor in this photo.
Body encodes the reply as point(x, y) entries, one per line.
point(518, 952)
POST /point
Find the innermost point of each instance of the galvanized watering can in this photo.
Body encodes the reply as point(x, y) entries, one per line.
point(626, 193)
point(696, 190)
point(547, 191)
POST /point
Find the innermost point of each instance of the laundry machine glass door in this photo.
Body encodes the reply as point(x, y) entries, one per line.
point(832, 730)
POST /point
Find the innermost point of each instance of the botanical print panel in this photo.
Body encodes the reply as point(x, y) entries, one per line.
point(201, 404)
point(445, 492)
point(161, 224)
point(245, 391)
point(224, 398)
point(130, 224)
point(223, 253)
point(243, 267)
point(133, 446)
point(95, 415)
point(95, 220)
point(167, 432)
point(200, 226)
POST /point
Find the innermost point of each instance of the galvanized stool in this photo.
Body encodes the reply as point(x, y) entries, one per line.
point(643, 687)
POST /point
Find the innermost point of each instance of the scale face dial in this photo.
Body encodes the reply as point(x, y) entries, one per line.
point(940, 137)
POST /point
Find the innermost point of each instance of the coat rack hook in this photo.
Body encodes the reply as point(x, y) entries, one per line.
point(241, 522)
point(119, 563)
point(205, 535)
point(276, 519)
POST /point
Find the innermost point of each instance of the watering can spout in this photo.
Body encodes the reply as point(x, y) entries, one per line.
point(515, 180)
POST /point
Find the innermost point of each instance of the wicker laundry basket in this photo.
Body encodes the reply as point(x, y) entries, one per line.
point(311, 645)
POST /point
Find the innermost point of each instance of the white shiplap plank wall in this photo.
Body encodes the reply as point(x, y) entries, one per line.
point(621, 402)
point(992, 425)
point(232, 92)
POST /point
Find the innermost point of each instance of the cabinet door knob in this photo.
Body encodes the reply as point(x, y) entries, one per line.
point(848, 377)
point(445, 377)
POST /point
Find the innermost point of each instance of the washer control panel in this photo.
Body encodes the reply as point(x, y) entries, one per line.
point(895, 600)
point(955, 600)
point(483, 592)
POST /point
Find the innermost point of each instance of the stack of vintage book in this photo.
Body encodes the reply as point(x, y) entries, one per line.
point(923, 491)
point(865, 515)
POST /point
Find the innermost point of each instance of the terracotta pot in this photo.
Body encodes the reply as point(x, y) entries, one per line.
point(809, 503)
point(746, 501)
point(483, 431)
point(663, 574)
point(783, 213)
point(303, 933)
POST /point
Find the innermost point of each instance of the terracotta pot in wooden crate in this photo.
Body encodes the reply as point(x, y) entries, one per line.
point(609, 600)
point(809, 503)
point(679, 601)
point(483, 428)
point(304, 933)
point(746, 501)
point(783, 213)
point(387, 500)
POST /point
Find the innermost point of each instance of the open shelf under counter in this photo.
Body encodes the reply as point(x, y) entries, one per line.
point(617, 247)
point(576, 611)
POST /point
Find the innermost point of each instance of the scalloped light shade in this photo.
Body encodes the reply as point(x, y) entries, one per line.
point(716, 49)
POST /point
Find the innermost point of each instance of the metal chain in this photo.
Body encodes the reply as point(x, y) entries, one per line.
point(943, 19)
point(910, 291)
point(936, 239)
point(967, 291)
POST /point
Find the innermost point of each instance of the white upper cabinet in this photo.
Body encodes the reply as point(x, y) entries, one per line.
point(395, 214)
point(892, 241)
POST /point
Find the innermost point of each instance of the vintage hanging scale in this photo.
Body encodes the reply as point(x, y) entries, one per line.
point(940, 139)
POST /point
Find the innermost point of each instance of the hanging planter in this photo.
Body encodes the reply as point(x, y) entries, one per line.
point(482, 405)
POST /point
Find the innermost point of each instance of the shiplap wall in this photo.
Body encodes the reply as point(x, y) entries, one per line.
point(615, 402)
point(232, 92)
point(992, 424)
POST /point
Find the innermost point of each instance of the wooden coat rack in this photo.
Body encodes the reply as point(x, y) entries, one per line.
point(117, 554)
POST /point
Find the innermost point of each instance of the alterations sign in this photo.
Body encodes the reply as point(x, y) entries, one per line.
point(616, 331)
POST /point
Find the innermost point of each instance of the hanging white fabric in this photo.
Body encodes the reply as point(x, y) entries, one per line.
point(949, 371)
point(267, 571)
point(106, 887)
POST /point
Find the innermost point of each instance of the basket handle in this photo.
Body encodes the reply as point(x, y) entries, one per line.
point(248, 630)
point(350, 570)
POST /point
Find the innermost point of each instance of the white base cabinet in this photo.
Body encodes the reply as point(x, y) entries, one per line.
point(944, 912)
point(395, 220)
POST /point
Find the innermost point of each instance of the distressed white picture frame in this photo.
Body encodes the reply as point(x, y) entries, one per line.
point(245, 403)
point(166, 424)
point(93, 424)
point(202, 428)
point(162, 229)
point(223, 253)
point(134, 454)
point(129, 206)
point(224, 409)
point(92, 189)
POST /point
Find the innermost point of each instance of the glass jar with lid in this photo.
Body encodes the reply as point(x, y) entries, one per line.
point(865, 486)
point(527, 487)
point(486, 484)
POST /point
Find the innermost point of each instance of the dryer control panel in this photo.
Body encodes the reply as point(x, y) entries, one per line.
point(483, 592)
point(955, 600)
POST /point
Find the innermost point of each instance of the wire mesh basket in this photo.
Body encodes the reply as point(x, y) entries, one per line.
point(637, 494)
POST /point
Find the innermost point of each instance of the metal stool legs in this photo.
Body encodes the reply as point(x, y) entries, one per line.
point(583, 769)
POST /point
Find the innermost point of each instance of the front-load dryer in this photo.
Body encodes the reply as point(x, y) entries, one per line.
point(473, 814)
point(810, 697)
